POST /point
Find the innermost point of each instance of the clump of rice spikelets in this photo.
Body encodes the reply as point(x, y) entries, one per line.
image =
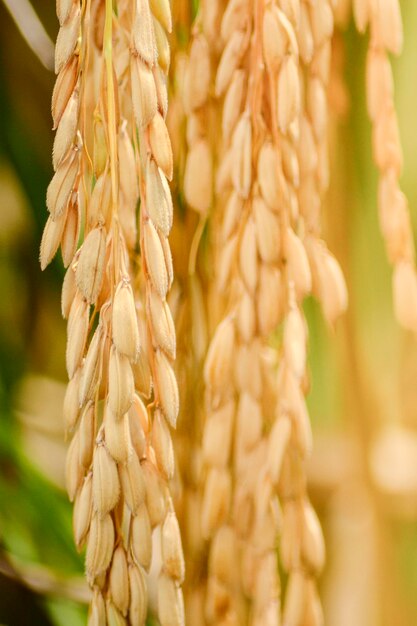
point(223, 598)
point(121, 339)
point(62, 227)
point(194, 80)
point(235, 362)
point(281, 254)
point(315, 46)
point(306, 264)
point(149, 66)
point(264, 257)
point(386, 36)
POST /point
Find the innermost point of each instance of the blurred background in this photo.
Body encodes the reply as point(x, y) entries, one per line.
point(363, 400)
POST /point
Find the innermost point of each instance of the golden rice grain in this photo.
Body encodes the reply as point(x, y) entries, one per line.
point(216, 500)
point(155, 259)
point(162, 324)
point(143, 92)
point(155, 496)
point(106, 486)
point(198, 177)
point(230, 59)
point(63, 9)
point(132, 482)
point(83, 508)
point(167, 388)
point(161, 145)
point(87, 434)
point(121, 383)
point(67, 38)
point(141, 537)
point(171, 547)
point(119, 580)
point(73, 468)
point(162, 445)
point(125, 331)
point(70, 235)
point(51, 239)
point(61, 186)
point(90, 372)
point(138, 595)
point(77, 336)
point(118, 436)
point(97, 613)
point(170, 602)
point(63, 89)
point(217, 436)
point(100, 545)
point(162, 46)
point(159, 202)
point(143, 33)
point(66, 130)
point(161, 9)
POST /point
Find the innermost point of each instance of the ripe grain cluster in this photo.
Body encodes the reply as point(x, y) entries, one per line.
point(253, 167)
point(273, 170)
point(112, 154)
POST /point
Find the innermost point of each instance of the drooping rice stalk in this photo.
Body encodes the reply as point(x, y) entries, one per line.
point(224, 602)
point(302, 546)
point(254, 450)
point(111, 152)
point(386, 36)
